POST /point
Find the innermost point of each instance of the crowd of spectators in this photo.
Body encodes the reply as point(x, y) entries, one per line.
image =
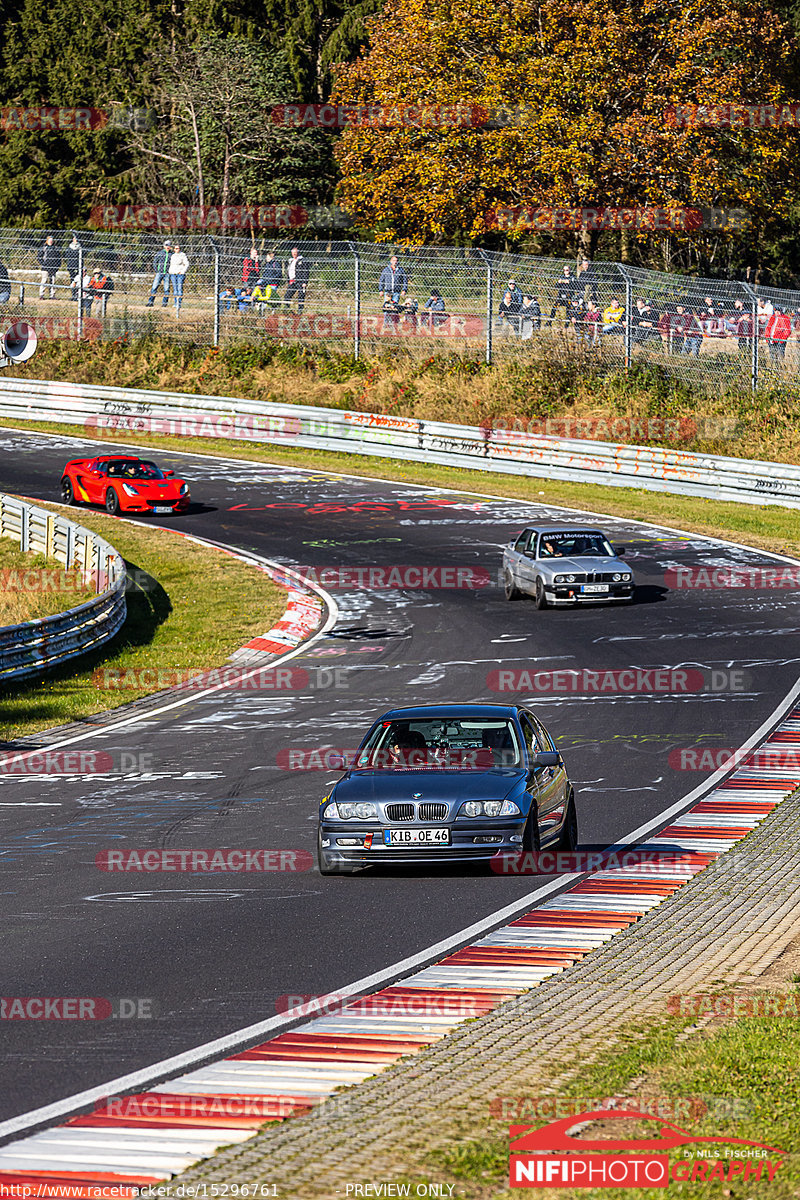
point(677, 325)
point(258, 290)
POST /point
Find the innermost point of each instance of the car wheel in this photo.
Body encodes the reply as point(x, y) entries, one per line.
point(112, 502)
point(510, 588)
point(530, 835)
point(568, 839)
point(67, 494)
point(541, 599)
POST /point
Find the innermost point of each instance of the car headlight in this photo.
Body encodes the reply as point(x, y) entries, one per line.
point(362, 810)
point(490, 808)
point(570, 578)
point(560, 579)
point(627, 578)
point(184, 489)
point(330, 812)
point(130, 491)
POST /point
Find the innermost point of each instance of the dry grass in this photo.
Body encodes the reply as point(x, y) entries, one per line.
point(555, 385)
point(32, 585)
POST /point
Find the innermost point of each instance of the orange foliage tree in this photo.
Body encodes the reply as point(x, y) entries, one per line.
point(592, 80)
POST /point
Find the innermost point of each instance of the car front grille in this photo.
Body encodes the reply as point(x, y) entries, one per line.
point(432, 812)
point(595, 577)
point(400, 812)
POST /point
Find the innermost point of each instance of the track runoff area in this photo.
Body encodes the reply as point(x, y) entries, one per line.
point(647, 703)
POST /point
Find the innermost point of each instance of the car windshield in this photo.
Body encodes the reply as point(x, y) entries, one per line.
point(134, 468)
point(575, 544)
point(444, 743)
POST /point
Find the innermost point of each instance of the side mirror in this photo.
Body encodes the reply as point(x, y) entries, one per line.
point(619, 551)
point(546, 758)
point(169, 474)
point(336, 762)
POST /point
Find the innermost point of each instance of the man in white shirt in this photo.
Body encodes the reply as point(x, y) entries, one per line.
point(178, 266)
point(297, 273)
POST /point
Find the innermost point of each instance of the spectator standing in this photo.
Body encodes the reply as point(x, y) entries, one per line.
point(586, 281)
point(49, 260)
point(765, 311)
point(160, 274)
point(743, 322)
point(393, 283)
point(178, 266)
point(564, 296)
point(689, 326)
point(298, 272)
point(72, 261)
point(271, 271)
point(251, 269)
point(777, 334)
point(88, 293)
point(5, 284)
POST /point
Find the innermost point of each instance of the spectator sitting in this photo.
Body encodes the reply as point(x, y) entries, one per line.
point(244, 296)
point(265, 294)
point(530, 315)
point(228, 295)
point(391, 309)
point(591, 323)
point(613, 318)
point(509, 308)
point(435, 307)
point(645, 322)
point(409, 309)
point(102, 286)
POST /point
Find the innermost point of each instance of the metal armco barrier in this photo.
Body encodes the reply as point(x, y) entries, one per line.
point(131, 413)
point(34, 647)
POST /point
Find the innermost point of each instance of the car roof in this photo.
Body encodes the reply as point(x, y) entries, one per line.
point(118, 457)
point(451, 710)
point(564, 527)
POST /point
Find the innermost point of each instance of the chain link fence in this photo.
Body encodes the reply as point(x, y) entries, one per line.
point(363, 298)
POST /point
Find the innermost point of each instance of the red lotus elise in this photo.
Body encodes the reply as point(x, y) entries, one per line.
point(123, 484)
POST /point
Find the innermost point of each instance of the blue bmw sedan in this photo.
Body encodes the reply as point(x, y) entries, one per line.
point(448, 783)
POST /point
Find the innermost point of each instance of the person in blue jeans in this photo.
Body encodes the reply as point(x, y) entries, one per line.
point(160, 274)
point(178, 266)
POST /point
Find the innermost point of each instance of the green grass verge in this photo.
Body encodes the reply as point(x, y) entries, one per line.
point(189, 608)
point(754, 1061)
point(33, 585)
point(767, 526)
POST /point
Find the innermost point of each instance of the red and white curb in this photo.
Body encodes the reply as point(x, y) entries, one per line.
point(148, 1137)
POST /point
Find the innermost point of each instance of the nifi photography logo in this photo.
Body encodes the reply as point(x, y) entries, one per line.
point(552, 1156)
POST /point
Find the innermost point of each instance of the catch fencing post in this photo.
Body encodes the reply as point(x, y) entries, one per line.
point(356, 301)
point(754, 345)
point(215, 249)
point(80, 291)
point(489, 306)
point(628, 315)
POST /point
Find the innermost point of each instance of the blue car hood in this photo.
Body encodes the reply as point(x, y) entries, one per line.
point(393, 786)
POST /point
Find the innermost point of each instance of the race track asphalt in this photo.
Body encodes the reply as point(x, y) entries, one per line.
point(214, 953)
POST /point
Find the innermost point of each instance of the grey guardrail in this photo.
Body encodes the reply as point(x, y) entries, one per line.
point(30, 649)
point(176, 414)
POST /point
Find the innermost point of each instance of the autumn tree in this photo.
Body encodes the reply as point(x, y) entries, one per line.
point(592, 80)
